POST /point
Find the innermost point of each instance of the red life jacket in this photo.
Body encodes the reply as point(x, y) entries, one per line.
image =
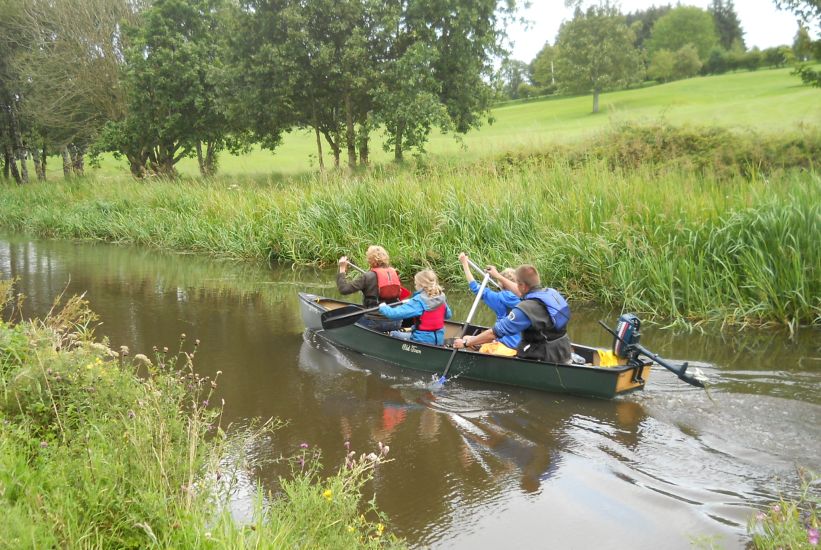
point(432, 320)
point(387, 279)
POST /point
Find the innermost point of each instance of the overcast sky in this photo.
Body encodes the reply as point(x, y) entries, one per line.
point(764, 26)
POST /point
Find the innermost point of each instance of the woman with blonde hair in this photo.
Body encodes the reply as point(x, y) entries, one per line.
point(427, 306)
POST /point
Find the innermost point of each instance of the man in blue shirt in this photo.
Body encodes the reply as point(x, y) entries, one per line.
point(541, 318)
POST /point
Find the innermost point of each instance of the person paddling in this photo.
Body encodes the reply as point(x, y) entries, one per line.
point(427, 306)
point(379, 284)
point(541, 318)
point(501, 303)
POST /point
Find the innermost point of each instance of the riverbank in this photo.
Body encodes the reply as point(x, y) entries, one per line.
point(686, 227)
point(99, 448)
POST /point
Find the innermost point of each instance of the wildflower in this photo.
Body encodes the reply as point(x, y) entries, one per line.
point(812, 536)
point(142, 359)
point(350, 528)
point(328, 494)
point(205, 403)
point(776, 508)
point(379, 529)
point(303, 445)
point(124, 350)
point(385, 450)
point(131, 414)
point(347, 445)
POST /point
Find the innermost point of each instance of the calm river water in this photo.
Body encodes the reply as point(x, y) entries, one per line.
point(475, 466)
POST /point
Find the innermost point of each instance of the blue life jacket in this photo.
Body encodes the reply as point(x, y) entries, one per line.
point(556, 306)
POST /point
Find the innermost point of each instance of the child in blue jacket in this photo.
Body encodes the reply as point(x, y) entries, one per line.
point(500, 302)
point(428, 306)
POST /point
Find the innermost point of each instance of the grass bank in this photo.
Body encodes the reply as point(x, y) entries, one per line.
point(99, 450)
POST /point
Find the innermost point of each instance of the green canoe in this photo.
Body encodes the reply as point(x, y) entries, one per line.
point(586, 380)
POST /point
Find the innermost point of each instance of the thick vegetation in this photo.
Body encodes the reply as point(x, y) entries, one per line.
point(99, 451)
point(698, 232)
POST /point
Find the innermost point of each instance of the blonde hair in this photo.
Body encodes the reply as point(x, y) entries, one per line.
point(510, 274)
point(426, 280)
point(377, 256)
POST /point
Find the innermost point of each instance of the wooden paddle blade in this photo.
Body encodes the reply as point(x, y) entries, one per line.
point(341, 317)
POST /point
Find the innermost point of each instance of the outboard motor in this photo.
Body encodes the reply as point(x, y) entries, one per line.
point(626, 346)
point(627, 336)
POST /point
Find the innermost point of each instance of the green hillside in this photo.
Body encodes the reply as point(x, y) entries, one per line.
point(766, 101)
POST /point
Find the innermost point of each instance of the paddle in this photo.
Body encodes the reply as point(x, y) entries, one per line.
point(476, 301)
point(696, 379)
point(403, 292)
point(481, 271)
point(348, 315)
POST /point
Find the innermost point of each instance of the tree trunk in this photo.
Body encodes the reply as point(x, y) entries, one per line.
point(334, 147)
point(211, 159)
point(596, 92)
point(44, 159)
point(137, 165)
point(6, 167)
point(397, 148)
point(77, 159)
point(364, 137)
point(11, 163)
point(201, 160)
point(39, 168)
point(66, 163)
point(318, 139)
point(350, 135)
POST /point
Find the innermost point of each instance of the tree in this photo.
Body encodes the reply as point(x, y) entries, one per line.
point(686, 62)
point(802, 44)
point(661, 66)
point(513, 73)
point(717, 61)
point(641, 22)
point(596, 53)
point(681, 26)
point(806, 10)
point(727, 24)
point(172, 104)
point(407, 100)
point(543, 68)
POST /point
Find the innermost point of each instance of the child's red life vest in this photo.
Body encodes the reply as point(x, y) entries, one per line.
point(387, 279)
point(432, 320)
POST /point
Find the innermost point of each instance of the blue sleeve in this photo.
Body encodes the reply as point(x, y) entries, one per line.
point(494, 302)
point(514, 323)
point(448, 312)
point(407, 310)
point(474, 287)
point(509, 299)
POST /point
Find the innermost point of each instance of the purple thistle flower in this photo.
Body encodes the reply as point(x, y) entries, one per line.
point(347, 445)
point(812, 536)
point(303, 445)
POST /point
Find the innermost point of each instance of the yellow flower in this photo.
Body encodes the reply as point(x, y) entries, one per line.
point(328, 494)
point(350, 528)
point(380, 528)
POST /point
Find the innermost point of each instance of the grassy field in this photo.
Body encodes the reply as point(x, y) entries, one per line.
point(767, 101)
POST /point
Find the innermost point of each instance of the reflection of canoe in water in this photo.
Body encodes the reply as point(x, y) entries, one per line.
point(587, 380)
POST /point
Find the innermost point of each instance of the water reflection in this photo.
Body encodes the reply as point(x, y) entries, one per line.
point(475, 466)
